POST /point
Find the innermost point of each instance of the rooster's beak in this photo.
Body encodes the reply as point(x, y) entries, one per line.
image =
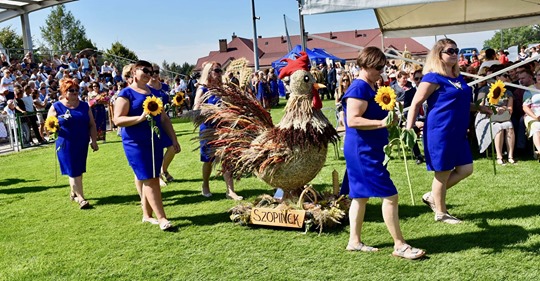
point(319, 86)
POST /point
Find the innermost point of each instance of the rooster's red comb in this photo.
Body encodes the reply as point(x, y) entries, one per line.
point(294, 65)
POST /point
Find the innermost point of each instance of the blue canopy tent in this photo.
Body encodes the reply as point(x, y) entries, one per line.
point(316, 56)
point(326, 55)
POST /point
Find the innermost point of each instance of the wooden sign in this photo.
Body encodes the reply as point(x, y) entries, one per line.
point(276, 217)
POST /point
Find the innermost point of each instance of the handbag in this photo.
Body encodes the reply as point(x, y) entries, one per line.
point(503, 117)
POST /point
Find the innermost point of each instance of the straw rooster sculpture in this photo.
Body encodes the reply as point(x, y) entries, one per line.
point(245, 141)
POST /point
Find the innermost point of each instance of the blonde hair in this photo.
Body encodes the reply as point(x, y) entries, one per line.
point(206, 78)
point(126, 71)
point(434, 62)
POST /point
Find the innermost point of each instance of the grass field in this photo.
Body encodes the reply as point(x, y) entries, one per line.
point(44, 236)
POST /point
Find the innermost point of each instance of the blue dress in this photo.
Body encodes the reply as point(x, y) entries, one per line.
point(164, 96)
point(447, 120)
point(363, 149)
point(73, 138)
point(206, 155)
point(137, 139)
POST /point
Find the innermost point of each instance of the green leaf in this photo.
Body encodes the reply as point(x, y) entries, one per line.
point(156, 130)
point(408, 137)
point(393, 133)
point(400, 107)
point(390, 119)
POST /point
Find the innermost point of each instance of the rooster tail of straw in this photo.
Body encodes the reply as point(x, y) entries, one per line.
point(235, 121)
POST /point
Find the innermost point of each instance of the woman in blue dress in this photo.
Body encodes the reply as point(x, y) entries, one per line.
point(137, 142)
point(170, 151)
point(77, 128)
point(446, 146)
point(211, 78)
point(365, 123)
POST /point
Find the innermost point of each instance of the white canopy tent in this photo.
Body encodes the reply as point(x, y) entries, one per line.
point(408, 18)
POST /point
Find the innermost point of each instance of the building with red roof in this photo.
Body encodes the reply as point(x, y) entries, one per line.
point(273, 48)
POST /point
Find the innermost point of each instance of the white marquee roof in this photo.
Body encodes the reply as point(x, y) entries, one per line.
point(408, 18)
point(13, 8)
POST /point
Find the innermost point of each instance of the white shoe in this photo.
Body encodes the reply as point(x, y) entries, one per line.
point(447, 218)
point(162, 183)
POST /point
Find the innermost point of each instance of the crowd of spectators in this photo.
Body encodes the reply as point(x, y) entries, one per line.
point(28, 88)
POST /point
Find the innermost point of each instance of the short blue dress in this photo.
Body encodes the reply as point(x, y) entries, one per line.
point(363, 149)
point(137, 139)
point(73, 138)
point(206, 155)
point(447, 120)
point(164, 96)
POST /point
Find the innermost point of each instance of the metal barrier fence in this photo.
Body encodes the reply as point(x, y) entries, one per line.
point(18, 133)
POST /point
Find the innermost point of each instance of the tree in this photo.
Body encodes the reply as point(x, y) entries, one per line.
point(119, 51)
point(184, 69)
point(514, 36)
point(9, 39)
point(62, 31)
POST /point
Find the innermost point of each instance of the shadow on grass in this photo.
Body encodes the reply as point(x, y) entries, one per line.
point(524, 211)
point(495, 239)
point(30, 189)
point(10, 181)
point(206, 219)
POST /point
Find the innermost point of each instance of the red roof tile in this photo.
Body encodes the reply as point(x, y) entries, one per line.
point(273, 48)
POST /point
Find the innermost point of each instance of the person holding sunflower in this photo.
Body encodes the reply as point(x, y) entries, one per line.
point(210, 78)
point(446, 147)
point(139, 111)
point(170, 151)
point(366, 130)
point(73, 123)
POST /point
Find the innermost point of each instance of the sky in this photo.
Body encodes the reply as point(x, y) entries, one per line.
point(182, 31)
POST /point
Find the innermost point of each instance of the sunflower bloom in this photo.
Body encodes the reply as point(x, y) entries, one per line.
point(51, 124)
point(153, 105)
point(496, 92)
point(386, 98)
point(178, 100)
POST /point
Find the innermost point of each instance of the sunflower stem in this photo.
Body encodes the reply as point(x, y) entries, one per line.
point(407, 170)
point(492, 148)
point(153, 160)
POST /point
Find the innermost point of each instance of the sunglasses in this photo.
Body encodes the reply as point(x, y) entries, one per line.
point(379, 67)
point(217, 70)
point(146, 70)
point(71, 90)
point(417, 78)
point(451, 51)
point(156, 71)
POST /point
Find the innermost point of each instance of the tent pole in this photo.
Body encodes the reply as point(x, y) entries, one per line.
point(255, 39)
point(382, 41)
point(302, 30)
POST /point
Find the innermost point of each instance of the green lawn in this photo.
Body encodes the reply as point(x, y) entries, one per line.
point(44, 236)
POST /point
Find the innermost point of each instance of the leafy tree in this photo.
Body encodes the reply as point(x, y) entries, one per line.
point(12, 42)
point(9, 39)
point(119, 51)
point(184, 69)
point(62, 31)
point(84, 44)
point(522, 35)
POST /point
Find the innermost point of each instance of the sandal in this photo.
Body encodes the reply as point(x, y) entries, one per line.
point(150, 220)
point(408, 252)
point(362, 248)
point(166, 177)
point(166, 225)
point(511, 161)
point(72, 197)
point(84, 204)
point(500, 161)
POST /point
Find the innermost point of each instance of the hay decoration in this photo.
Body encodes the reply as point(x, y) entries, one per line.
point(327, 213)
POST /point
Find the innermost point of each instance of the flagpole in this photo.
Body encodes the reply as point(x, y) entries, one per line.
point(255, 39)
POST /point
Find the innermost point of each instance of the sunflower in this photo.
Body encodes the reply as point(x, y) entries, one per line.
point(178, 100)
point(51, 124)
point(153, 105)
point(386, 98)
point(496, 92)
